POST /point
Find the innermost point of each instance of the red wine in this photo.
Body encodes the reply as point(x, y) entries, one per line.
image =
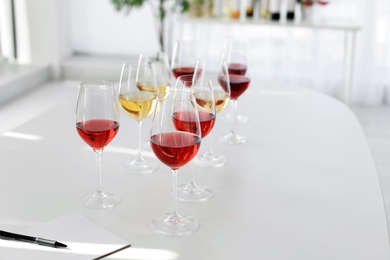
point(175, 149)
point(186, 80)
point(185, 121)
point(237, 69)
point(97, 132)
point(185, 70)
point(222, 80)
point(238, 84)
point(307, 3)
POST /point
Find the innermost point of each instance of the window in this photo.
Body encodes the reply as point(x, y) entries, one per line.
point(7, 31)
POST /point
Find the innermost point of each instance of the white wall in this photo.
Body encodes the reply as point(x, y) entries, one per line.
point(49, 31)
point(43, 32)
point(98, 28)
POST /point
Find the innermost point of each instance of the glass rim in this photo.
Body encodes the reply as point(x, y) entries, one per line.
point(169, 93)
point(186, 40)
point(185, 78)
point(96, 84)
point(235, 49)
point(200, 78)
point(130, 62)
point(137, 61)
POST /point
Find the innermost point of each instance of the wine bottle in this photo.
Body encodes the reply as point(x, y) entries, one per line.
point(235, 9)
point(225, 8)
point(249, 8)
point(256, 9)
point(274, 7)
point(217, 8)
point(264, 9)
point(290, 9)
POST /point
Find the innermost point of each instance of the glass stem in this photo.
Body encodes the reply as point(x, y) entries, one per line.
point(174, 193)
point(139, 126)
point(192, 178)
point(234, 112)
point(98, 154)
point(209, 142)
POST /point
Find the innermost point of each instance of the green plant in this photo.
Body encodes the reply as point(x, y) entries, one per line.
point(160, 11)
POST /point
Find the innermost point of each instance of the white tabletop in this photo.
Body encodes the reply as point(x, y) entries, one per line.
point(304, 186)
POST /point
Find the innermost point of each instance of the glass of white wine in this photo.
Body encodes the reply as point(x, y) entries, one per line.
point(202, 90)
point(162, 71)
point(138, 91)
point(216, 70)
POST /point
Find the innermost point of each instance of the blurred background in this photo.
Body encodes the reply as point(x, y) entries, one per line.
point(57, 33)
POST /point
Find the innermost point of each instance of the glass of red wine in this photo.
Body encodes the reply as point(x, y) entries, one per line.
point(214, 69)
point(237, 65)
point(97, 123)
point(239, 80)
point(185, 55)
point(202, 89)
point(231, 42)
point(175, 139)
point(138, 90)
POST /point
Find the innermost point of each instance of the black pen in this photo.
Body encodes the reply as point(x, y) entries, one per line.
point(28, 239)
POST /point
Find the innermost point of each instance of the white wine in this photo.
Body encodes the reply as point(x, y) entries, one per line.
point(149, 86)
point(138, 104)
point(221, 98)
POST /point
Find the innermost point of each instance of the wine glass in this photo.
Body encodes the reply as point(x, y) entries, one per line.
point(215, 69)
point(97, 123)
point(185, 56)
point(175, 139)
point(235, 43)
point(204, 97)
point(138, 92)
point(239, 80)
point(162, 71)
point(232, 43)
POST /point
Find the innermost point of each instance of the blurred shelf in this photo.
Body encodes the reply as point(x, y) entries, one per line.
point(329, 25)
point(349, 28)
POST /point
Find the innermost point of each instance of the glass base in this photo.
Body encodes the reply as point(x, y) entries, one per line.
point(238, 119)
point(232, 138)
point(209, 159)
point(140, 166)
point(193, 193)
point(101, 200)
point(174, 224)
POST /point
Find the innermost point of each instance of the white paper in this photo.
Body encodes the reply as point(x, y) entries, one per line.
point(84, 238)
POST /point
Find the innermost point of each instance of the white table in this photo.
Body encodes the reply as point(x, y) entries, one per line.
point(304, 186)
